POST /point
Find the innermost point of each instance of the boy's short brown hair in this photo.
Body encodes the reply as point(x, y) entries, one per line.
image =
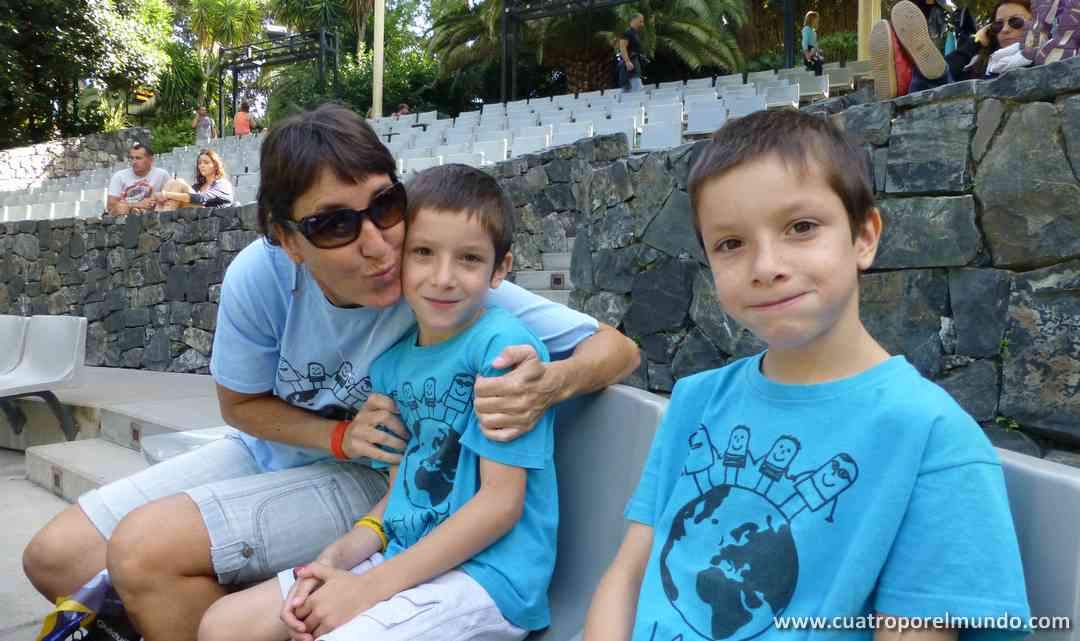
point(299, 148)
point(803, 142)
point(461, 188)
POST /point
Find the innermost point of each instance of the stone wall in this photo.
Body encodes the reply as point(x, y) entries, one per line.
point(25, 166)
point(976, 282)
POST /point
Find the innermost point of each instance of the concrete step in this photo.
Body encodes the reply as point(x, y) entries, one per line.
point(557, 295)
point(126, 424)
point(542, 279)
point(556, 261)
point(71, 469)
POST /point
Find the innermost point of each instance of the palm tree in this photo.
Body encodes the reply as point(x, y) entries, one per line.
point(308, 15)
point(698, 32)
point(219, 24)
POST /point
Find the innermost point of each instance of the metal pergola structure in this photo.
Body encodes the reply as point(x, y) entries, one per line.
point(517, 12)
point(321, 45)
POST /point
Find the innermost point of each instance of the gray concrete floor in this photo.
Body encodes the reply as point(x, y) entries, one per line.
point(24, 509)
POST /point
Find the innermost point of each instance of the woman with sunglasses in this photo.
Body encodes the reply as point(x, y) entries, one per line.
point(973, 60)
point(303, 312)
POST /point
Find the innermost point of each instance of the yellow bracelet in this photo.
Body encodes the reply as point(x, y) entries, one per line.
point(375, 526)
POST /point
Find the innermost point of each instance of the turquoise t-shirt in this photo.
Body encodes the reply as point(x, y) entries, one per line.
point(871, 494)
point(440, 469)
point(809, 37)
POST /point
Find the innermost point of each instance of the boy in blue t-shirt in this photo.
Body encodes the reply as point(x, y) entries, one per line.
point(463, 544)
point(824, 477)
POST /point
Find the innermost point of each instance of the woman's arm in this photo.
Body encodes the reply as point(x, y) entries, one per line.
point(614, 604)
point(509, 405)
point(268, 417)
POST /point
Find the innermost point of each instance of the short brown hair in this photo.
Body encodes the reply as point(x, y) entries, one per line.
point(142, 145)
point(298, 149)
point(461, 188)
point(801, 141)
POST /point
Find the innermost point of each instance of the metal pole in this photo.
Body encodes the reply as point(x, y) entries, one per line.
point(789, 33)
point(235, 90)
point(322, 60)
point(504, 67)
point(515, 28)
point(377, 75)
point(221, 96)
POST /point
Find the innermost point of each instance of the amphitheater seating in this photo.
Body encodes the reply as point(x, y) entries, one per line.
point(52, 351)
point(494, 132)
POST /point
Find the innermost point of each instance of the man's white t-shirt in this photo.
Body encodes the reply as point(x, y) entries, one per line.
point(130, 188)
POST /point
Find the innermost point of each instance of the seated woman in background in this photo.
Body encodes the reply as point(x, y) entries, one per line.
point(211, 189)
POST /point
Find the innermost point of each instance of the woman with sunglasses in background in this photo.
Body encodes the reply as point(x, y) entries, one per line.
point(906, 59)
point(303, 312)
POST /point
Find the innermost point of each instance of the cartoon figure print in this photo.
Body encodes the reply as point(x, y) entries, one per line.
point(304, 388)
point(735, 533)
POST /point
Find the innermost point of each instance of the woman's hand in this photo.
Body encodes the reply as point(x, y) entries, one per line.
point(341, 598)
point(509, 406)
point(364, 435)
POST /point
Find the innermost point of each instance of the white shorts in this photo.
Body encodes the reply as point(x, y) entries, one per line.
point(451, 607)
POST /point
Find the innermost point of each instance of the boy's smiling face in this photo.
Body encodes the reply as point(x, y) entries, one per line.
point(780, 248)
point(447, 271)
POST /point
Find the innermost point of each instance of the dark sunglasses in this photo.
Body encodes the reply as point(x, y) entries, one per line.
point(340, 227)
point(1016, 22)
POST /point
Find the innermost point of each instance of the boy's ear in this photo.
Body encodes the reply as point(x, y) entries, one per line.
point(502, 269)
point(867, 237)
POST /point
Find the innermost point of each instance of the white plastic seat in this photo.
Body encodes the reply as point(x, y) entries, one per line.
point(782, 96)
point(426, 117)
point(494, 151)
point(743, 105)
point(760, 75)
point(658, 136)
point(666, 96)
point(492, 136)
point(730, 80)
point(841, 79)
point(15, 213)
point(570, 133)
point(589, 95)
point(459, 136)
point(417, 152)
point(65, 210)
point(621, 125)
point(468, 158)
point(448, 149)
point(12, 337)
point(554, 117)
point(522, 146)
point(631, 111)
point(41, 211)
point(699, 82)
point(53, 355)
point(705, 118)
point(91, 208)
point(671, 84)
point(595, 484)
point(521, 121)
point(672, 113)
point(412, 165)
point(532, 132)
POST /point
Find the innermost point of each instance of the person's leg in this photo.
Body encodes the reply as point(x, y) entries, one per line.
point(239, 531)
point(71, 548)
point(159, 562)
point(249, 615)
point(635, 84)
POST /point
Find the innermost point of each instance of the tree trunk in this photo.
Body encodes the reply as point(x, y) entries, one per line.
point(589, 71)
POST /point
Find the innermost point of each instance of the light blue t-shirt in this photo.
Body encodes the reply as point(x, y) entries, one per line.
point(809, 37)
point(440, 469)
point(874, 493)
point(276, 331)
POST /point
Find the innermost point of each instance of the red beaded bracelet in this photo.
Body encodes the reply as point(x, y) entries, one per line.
point(337, 437)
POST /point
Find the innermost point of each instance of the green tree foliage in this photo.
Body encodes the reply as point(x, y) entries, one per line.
point(49, 47)
point(217, 24)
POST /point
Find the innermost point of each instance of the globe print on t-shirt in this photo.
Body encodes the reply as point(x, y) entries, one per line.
point(728, 561)
point(435, 417)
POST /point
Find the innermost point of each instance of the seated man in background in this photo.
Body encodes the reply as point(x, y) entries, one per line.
point(132, 190)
